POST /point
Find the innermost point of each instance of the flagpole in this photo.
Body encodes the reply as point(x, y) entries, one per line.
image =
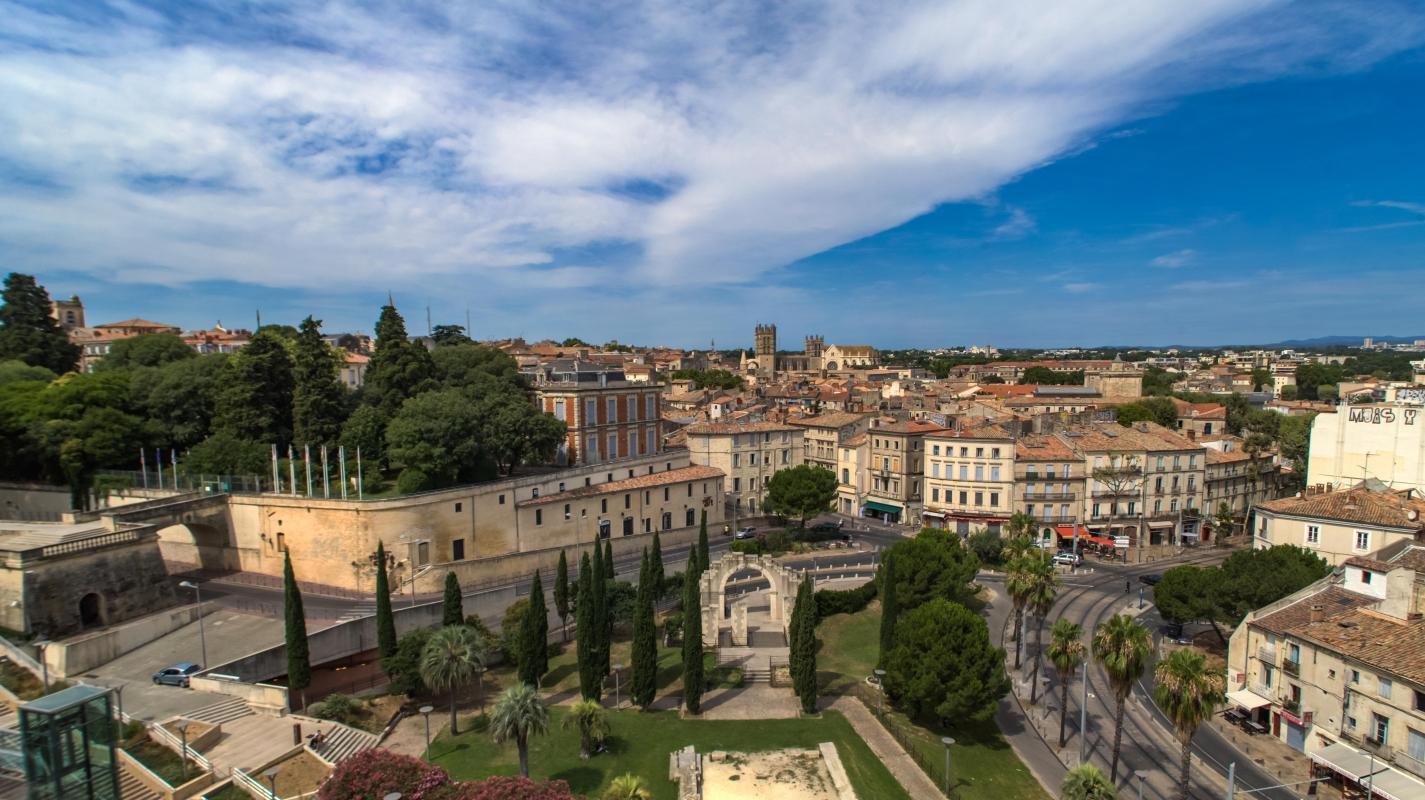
point(159, 451)
point(276, 472)
point(307, 462)
point(341, 456)
point(173, 462)
point(326, 477)
point(143, 466)
point(292, 469)
point(359, 488)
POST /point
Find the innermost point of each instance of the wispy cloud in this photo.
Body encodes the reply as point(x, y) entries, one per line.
point(361, 144)
point(1081, 287)
point(1181, 258)
point(1416, 210)
point(1207, 286)
point(1018, 225)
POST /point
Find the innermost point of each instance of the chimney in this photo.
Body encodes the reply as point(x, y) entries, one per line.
point(1192, 435)
point(1318, 613)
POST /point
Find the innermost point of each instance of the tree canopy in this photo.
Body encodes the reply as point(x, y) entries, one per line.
point(149, 350)
point(28, 332)
point(943, 666)
point(801, 492)
point(932, 564)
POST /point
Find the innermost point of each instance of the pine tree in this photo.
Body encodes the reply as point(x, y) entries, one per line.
point(703, 541)
point(452, 610)
point(254, 399)
point(561, 593)
point(317, 396)
point(587, 644)
point(299, 667)
point(645, 639)
point(607, 641)
point(27, 331)
point(399, 369)
point(803, 645)
point(385, 621)
point(534, 636)
point(889, 609)
point(655, 563)
point(692, 637)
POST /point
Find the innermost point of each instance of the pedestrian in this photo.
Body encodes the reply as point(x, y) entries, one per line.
point(1127, 586)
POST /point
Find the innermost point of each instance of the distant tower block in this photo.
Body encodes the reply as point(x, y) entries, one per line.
point(814, 346)
point(766, 344)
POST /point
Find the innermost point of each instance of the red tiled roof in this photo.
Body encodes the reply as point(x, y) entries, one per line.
point(1388, 508)
point(695, 472)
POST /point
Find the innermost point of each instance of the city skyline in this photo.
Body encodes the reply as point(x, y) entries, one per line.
point(1232, 173)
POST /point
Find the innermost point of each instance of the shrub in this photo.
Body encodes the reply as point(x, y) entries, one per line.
point(379, 772)
point(510, 625)
point(413, 480)
point(751, 547)
point(337, 708)
point(779, 541)
point(403, 668)
point(844, 601)
point(486, 636)
point(504, 787)
point(673, 625)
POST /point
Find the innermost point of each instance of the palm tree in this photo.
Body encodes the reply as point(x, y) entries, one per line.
point(1121, 645)
point(628, 787)
point(518, 713)
point(1085, 782)
point(592, 721)
point(1066, 652)
point(1043, 590)
point(452, 658)
point(1187, 691)
point(1017, 581)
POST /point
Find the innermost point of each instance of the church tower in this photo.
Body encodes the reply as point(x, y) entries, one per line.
point(766, 339)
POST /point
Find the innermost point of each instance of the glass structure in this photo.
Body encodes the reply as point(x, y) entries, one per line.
point(68, 740)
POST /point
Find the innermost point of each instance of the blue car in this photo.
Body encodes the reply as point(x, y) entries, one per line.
point(176, 675)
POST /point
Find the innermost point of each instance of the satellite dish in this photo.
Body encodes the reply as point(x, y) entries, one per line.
point(1412, 515)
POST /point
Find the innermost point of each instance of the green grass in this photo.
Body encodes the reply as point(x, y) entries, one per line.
point(982, 765)
point(641, 742)
point(159, 759)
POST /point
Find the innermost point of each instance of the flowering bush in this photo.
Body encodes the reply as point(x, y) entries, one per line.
point(377, 773)
point(504, 787)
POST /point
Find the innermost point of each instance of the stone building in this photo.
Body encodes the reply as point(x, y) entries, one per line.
point(1049, 481)
point(1384, 441)
point(58, 579)
point(609, 417)
point(896, 470)
point(826, 432)
point(969, 475)
point(1342, 524)
point(95, 342)
point(748, 454)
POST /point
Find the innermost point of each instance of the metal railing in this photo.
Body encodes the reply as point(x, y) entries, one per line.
point(1267, 653)
point(251, 784)
point(1291, 706)
point(1050, 495)
point(1292, 668)
point(177, 745)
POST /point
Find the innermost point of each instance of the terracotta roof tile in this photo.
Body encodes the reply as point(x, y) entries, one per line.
point(1349, 626)
point(695, 472)
point(1385, 508)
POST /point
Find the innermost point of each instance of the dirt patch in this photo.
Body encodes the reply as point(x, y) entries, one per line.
point(775, 775)
point(381, 710)
point(196, 730)
point(300, 774)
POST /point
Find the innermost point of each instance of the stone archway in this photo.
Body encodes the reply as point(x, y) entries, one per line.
point(713, 590)
point(91, 611)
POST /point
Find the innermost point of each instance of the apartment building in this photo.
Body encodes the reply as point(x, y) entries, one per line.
point(1385, 441)
point(1343, 524)
point(853, 474)
point(1049, 480)
point(1337, 671)
point(1146, 482)
point(969, 475)
point(609, 417)
point(824, 433)
point(896, 470)
point(748, 454)
point(1238, 480)
point(657, 501)
point(1200, 419)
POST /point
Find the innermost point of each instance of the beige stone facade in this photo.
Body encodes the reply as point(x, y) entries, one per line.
point(824, 433)
point(1049, 481)
point(1343, 524)
point(896, 471)
point(969, 476)
point(748, 454)
point(609, 417)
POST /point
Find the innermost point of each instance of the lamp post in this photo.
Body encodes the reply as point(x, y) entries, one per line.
point(616, 669)
point(119, 693)
point(947, 742)
point(1084, 714)
point(44, 665)
point(881, 684)
point(202, 636)
point(1142, 776)
point(182, 726)
point(272, 781)
point(425, 712)
point(480, 685)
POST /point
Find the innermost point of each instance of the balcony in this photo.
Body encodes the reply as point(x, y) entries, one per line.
point(1061, 519)
point(1410, 764)
point(1292, 668)
point(1290, 706)
point(1267, 654)
point(1052, 496)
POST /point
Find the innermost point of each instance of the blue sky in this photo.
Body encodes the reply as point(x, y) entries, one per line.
point(900, 174)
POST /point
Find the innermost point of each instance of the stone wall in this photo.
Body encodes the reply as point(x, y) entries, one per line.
point(82, 653)
point(130, 580)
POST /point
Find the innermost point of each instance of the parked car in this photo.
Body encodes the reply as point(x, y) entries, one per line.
point(825, 527)
point(1066, 557)
point(1173, 631)
point(177, 675)
point(746, 533)
point(1151, 579)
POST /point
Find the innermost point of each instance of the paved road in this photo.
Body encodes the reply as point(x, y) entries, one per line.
point(1148, 741)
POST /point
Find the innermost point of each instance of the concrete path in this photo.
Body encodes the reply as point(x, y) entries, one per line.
point(908, 773)
point(753, 701)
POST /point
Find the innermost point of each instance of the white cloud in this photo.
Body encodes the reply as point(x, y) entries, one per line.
point(1416, 210)
point(1018, 225)
point(1081, 287)
point(364, 145)
point(1180, 258)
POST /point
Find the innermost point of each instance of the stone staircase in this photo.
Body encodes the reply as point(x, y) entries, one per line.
point(131, 788)
point(222, 712)
point(340, 742)
point(755, 663)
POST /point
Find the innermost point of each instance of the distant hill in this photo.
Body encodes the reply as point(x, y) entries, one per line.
point(1336, 341)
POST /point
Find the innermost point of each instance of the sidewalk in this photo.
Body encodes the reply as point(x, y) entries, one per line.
point(908, 773)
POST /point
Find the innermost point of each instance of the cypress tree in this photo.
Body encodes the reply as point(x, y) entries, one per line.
point(599, 626)
point(645, 639)
point(692, 637)
point(608, 638)
point(27, 331)
point(299, 667)
point(586, 645)
point(803, 645)
point(561, 593)
point(655, 564)
point(385, 622)
point(399, 369)
point(534, 636)
point(452, 610)
point(890, 609)
point(703, 541)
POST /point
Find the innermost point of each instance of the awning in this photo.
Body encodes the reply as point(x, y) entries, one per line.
point(940, 514)
point(1348, 761)
point(885, 507)
point(1248, 699)
point(1396, 785)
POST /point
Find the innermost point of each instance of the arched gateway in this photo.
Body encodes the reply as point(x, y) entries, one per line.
point(713, 589)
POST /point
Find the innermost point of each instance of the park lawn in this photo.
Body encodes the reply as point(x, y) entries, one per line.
point(982, 763)
point(563, 675)
point(641, 742)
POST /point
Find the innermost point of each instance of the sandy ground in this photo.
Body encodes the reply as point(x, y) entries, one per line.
point(779, 775)
point(300, 774)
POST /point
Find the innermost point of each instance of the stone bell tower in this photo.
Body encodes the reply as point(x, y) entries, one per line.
point(766, 339)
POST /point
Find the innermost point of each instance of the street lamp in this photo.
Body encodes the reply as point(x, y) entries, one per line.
point(182, 726)
point(1084, 714)
point(425, 712)
point(947, 741)
point(616, 668)
point(881, 684)
point(202, 636)
point(1142, 776)
point(44, 665)
point(272, 781)
point(480, 685)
